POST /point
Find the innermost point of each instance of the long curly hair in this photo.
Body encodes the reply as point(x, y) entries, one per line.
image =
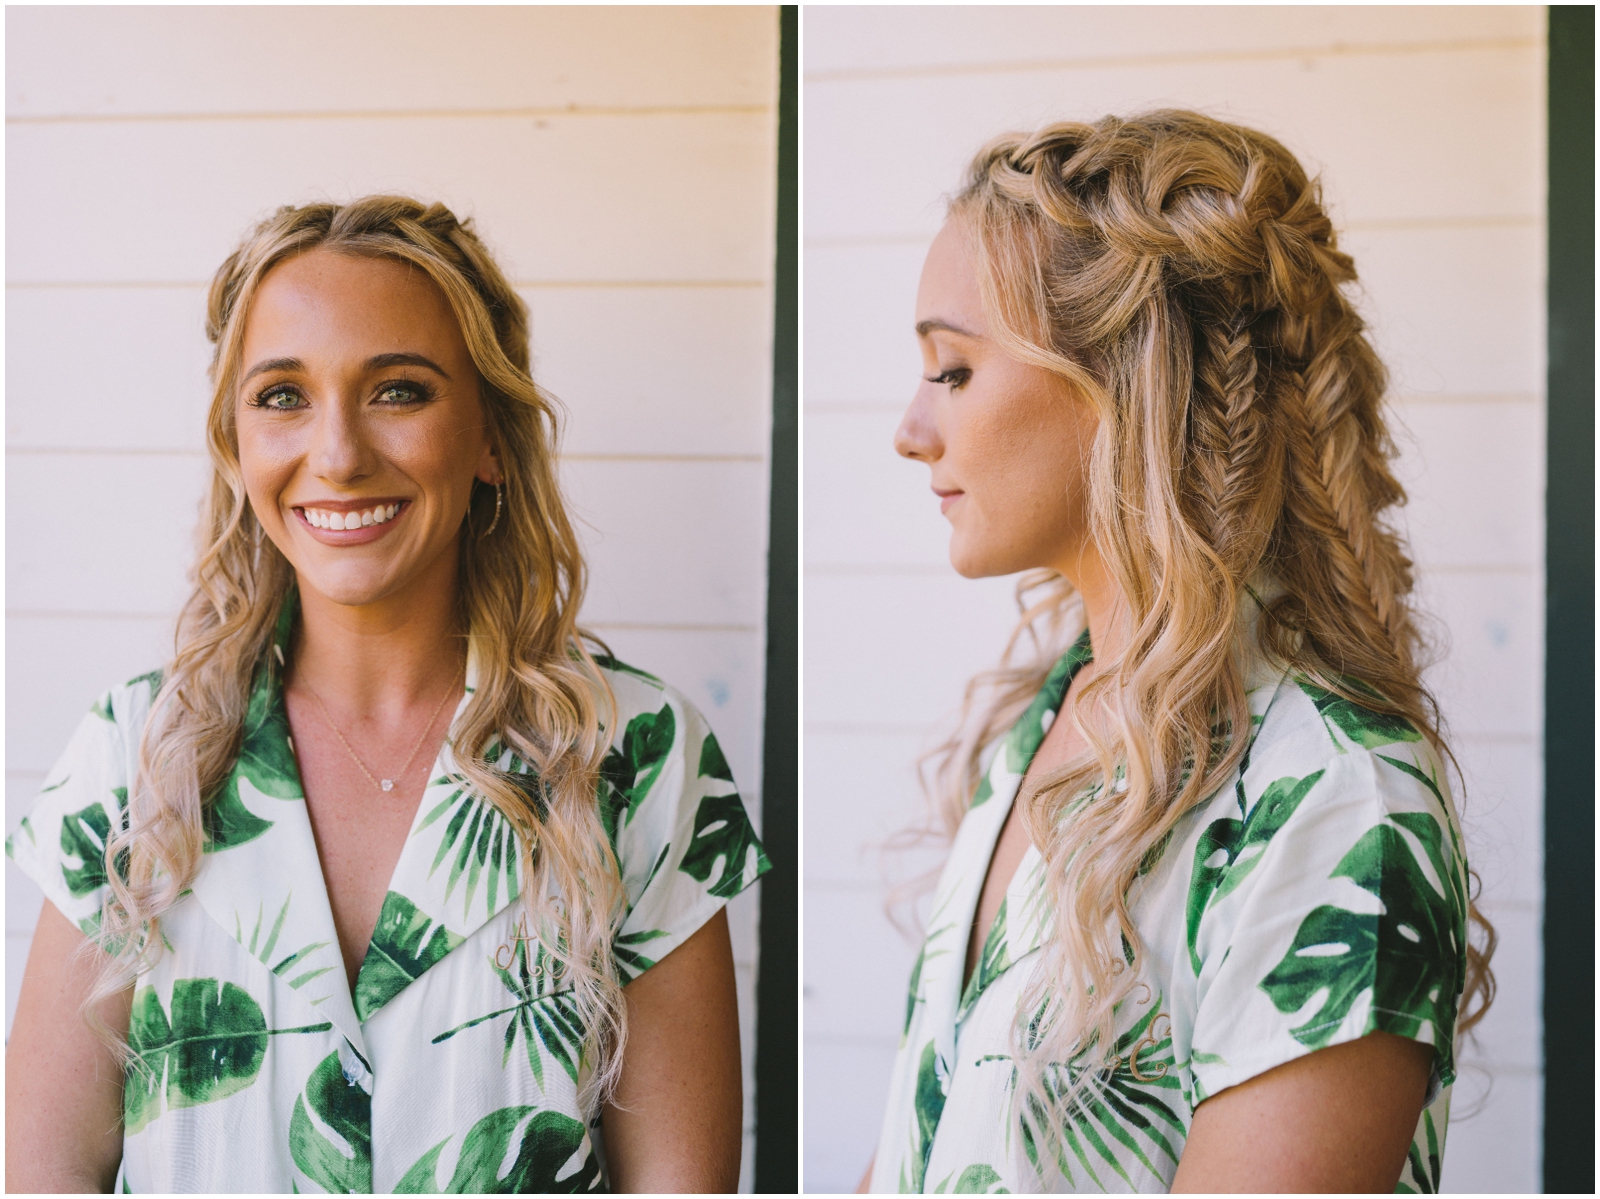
point(1183, 276)
point(538, 690)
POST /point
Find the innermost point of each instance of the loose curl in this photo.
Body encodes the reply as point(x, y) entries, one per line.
point(1182, 275)
point(538, 690)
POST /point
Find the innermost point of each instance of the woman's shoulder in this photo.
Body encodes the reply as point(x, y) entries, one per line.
point(1301, 728)
point(1330, 791)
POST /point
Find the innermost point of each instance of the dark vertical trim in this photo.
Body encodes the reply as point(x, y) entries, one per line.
point(777, 1003)
point(1569, 778)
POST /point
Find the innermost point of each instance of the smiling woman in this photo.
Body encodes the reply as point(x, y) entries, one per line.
point(308, 958)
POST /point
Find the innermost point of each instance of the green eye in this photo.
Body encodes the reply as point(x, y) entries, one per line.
point(401, 394)
point(281, 398)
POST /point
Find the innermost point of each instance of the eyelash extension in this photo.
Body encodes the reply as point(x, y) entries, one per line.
point(955, 377)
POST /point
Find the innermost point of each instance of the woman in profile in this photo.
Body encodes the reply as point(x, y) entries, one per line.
point(391, 879)
point(1203, 925)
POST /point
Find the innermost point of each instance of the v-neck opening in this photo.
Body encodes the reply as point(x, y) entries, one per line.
point(1017, 751)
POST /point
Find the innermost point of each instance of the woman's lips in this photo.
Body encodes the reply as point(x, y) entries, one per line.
point(946, 498)
point(350, 522)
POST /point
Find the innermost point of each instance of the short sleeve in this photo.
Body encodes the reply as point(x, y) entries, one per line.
point(684, 841)
point(60, 844)
point(1350, 918)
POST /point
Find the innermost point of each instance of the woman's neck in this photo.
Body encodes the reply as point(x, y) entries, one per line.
point(1104, 606)
point(384, 656)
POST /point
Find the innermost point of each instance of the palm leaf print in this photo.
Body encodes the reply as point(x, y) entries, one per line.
point(1127, 1106)
point(1366, 728)
point(549, 1141)
point(402, 950)
point(1229, 849)
point(264, 953)
point(1424, 1173)
point(625, 950)
point(548, 1022)
point(211, 1048)
point(479, 844)
point(994, 961)
point(1409, 954)
point(627, 774)
point(974, 1180)
point(342, 1166)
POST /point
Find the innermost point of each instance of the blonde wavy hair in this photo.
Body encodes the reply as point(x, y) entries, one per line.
point(1183, 276)
point(538, 690)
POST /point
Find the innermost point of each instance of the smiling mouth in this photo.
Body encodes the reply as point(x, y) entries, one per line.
point(336, 521)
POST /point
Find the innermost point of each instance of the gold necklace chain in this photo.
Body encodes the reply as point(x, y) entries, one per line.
point(385, 784)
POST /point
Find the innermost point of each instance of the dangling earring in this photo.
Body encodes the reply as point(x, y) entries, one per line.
point(496, 520)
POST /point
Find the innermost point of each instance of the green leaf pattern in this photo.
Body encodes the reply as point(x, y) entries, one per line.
point(257, 1067)
point(1338, 819)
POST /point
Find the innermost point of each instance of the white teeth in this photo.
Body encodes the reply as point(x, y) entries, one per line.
point(340, 521)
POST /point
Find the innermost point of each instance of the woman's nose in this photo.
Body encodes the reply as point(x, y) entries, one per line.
point(339, 452)
point(918, 434)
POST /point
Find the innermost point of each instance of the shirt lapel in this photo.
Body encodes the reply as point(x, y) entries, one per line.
point(261, 878)
point(459, 868)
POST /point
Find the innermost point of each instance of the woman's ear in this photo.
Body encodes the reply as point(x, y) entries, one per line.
point(489, 467)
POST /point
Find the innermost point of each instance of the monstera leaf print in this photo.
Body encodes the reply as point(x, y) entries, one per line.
point(549, 1142)
point(266, 758)
point(932, 1077)
point(721, 832)
point(1368, 729)
point(343, 1166)
point(1023, 740)
point(402, 950)
point(606, 662)
point(628, 774)
point(1408, 955)
point(211, 1047)
point(83, 836)
point(1229, 849)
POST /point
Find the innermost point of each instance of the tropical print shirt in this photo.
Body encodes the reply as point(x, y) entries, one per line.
point(1318, 895)
point(455, 1065)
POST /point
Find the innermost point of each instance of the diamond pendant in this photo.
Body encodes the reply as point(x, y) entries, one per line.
point(388, 784)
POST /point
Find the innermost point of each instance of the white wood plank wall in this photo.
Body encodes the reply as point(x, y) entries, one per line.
point(620, 161)
point(1427, 125)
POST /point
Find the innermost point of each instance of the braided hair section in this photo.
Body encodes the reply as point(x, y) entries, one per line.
point(1184, 275)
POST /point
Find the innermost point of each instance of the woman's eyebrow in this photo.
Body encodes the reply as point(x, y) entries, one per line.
point(273, 364)
point(928, 326)
point(404, 359)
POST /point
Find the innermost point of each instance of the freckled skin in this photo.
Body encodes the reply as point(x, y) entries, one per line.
point(1013, 438)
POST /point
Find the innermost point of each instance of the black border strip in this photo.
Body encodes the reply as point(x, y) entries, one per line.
point(777, 1004)
point(1569, 679)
